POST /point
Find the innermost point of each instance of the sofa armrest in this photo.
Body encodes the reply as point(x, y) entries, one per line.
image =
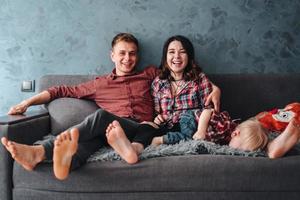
point(24, 129)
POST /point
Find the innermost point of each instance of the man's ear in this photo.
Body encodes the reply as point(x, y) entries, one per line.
point(236, 132)
point(112, 55)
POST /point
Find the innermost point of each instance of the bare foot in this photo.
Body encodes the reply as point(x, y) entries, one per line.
point(157, 141)
point(117, 139)
point(65, 146)
point(26, 155)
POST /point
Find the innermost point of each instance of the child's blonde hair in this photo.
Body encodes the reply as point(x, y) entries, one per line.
point(253, 135)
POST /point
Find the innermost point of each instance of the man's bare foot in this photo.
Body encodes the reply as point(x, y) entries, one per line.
point(26, 155)
point(65, 146)
point(117, 139)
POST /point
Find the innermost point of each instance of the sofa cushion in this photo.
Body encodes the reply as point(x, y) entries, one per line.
point(67, 112)
point(203, 173)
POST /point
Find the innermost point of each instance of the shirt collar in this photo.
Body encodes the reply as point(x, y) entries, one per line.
point(113, 74)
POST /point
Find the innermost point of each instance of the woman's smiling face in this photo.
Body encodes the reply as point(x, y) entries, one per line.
point(177, 58)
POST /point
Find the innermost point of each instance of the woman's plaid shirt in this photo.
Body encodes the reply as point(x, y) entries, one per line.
point(191, 96)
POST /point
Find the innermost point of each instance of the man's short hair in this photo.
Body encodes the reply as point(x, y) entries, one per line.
point(126, 37)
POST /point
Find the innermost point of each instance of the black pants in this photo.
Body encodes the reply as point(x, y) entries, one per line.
point(92, 135)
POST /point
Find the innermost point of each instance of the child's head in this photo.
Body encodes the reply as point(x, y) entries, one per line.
point(249, 135)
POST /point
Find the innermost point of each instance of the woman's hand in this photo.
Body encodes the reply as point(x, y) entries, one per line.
point(214, 98)
point(19, 108)
point(159, 120)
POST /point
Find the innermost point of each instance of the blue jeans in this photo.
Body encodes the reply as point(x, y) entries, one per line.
point(184, 130)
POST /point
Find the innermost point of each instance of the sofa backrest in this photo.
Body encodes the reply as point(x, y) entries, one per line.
point(243, 95)
point(66, 112)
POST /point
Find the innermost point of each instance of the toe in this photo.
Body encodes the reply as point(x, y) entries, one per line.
point(4, 141)
point(56, 143)
point(116, 123)
point(64, 136)
point(59, 138)
point(74, 134)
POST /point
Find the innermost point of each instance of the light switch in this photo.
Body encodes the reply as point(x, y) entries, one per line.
point(28, 86)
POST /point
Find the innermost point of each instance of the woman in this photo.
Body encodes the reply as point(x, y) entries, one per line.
point(179, 92)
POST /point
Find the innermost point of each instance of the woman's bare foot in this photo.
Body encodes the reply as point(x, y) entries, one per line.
point(65, 146)
point(117, 139)
point(26, 155)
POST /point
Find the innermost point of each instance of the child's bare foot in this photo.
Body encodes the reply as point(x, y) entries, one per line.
point(65, 146)
point(157, 141)
point(26, 155)
point(117, 139)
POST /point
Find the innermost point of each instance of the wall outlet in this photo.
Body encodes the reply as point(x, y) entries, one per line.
point(28, 86)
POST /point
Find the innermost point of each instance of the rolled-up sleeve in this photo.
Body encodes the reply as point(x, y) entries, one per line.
point(85, 90)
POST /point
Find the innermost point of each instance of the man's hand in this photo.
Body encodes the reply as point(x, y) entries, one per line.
point(19, 108)
point(214, 98)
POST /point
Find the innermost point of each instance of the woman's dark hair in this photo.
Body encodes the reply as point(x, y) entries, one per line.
point(192, 70)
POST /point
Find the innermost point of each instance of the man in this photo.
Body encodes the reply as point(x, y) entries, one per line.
point(123, 95)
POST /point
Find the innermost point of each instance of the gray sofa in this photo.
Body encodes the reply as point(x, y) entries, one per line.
point(174, 177)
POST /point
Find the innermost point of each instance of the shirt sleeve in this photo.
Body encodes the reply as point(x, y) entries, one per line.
point(155, 95)
point(205, 87)
point(152, 71)
point(85, 90)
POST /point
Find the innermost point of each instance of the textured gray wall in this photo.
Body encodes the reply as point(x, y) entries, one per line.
point(39, 37)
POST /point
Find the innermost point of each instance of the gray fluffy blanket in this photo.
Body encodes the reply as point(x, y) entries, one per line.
point(190, 147)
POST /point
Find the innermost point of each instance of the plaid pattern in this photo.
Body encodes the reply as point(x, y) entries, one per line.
point(191, 96)
point(220, 128)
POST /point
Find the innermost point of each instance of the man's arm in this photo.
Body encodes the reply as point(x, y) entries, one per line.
point(41, 98)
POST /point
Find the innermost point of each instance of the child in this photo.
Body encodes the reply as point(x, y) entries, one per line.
point(249, 135)
point(220, 129)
